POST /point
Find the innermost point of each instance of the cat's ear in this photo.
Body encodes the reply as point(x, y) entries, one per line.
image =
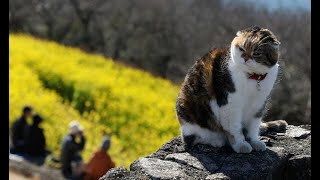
point(276, 43)
point(238, 33)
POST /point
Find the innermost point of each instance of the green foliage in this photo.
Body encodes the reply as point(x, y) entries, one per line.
point(135, 107)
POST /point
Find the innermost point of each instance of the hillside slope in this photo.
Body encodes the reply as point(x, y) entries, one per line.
point(64, 83)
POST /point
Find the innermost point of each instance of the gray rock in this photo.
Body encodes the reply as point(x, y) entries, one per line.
point(288, 156)
point(217, 176)
point(306, 126)
point(116, 173)
point(299, 168)
point(173, 146)
point(297, 132)
point(187, 159)
point(158, 169)
point(256, 165)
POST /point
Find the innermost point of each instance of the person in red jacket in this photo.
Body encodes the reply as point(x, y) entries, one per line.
point(100, 162)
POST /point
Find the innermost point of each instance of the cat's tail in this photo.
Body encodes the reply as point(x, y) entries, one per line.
point(279, 126)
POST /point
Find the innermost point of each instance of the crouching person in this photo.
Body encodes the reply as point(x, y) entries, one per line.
point(72, 145)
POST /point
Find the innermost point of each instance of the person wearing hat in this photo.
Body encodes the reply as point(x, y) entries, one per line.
point(100, 162)
point(70, 151)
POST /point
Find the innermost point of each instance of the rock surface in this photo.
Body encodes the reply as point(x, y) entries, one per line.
point(288, 156)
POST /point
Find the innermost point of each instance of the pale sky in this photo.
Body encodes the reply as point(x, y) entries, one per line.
point(285, 4)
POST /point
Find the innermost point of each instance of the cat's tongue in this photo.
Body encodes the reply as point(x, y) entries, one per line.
point(257, 77)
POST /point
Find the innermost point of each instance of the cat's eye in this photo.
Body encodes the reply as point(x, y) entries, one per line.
point(256, 54)
point(241, 49)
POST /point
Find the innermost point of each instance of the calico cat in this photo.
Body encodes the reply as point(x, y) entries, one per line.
point(224, 94)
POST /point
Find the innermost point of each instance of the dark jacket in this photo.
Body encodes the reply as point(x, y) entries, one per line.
point(18, 131)
point(35, 141)
point(70, 151)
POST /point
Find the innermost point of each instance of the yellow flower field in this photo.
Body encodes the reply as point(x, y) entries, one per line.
point(64, 83)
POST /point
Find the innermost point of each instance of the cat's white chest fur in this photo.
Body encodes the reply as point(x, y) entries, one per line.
point(243, 105)
point(247, 100)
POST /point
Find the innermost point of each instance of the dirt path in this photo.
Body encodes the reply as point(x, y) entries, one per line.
point(15, 176)
point(24, 170)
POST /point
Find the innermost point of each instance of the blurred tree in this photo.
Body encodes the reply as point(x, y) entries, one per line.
point(166, 37)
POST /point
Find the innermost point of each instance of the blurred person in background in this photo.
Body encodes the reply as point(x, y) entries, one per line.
point(18, 131)
point(100, 162)
point(70, 158)
point(35, 142)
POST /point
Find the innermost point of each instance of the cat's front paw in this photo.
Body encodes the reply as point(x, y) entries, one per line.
point(242, 147)
point(258, 145)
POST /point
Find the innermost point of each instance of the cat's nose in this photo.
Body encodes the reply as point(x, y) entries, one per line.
point(246, 57)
